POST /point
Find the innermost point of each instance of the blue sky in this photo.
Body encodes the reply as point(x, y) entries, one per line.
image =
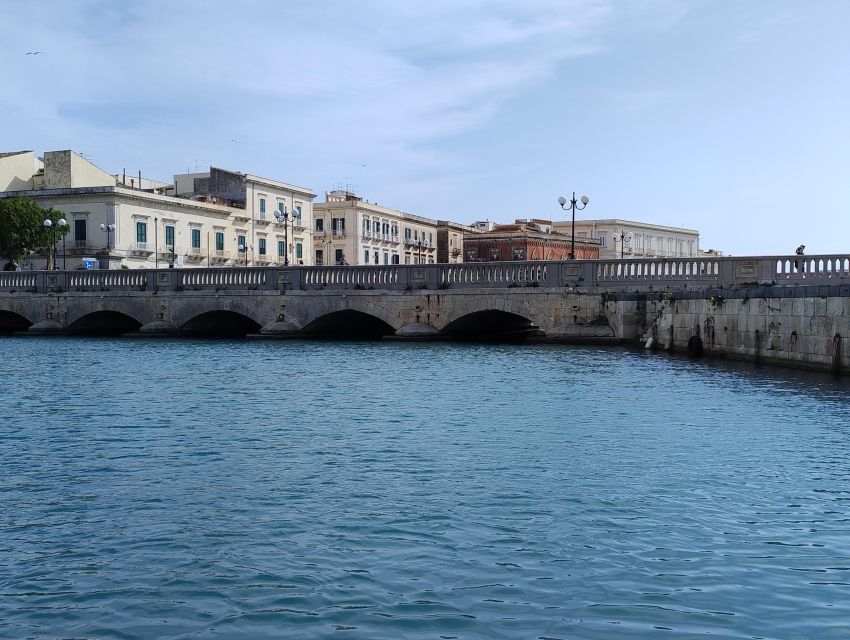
point(729, 117)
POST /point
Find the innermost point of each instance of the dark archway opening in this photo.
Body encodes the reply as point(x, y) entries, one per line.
point(220, 324)
point(491, 325)
point(348, 324)
point(104, 323)
point(11, 322)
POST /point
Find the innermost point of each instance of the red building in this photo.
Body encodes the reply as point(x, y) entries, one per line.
point(525, 240)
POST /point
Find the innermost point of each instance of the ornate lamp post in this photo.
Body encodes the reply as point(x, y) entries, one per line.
point(63, 223)
point(108, 229)
point(48, 223)
point(419, 249)
point(282, 215)
point(623, 237)
point(573, 206)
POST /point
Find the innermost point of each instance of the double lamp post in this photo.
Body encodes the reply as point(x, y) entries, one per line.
point(48, 224)
point(573, 206)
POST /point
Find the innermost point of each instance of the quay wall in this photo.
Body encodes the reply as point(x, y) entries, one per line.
point(804, 327)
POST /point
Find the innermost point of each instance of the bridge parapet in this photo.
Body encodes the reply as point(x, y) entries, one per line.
point(612, 275)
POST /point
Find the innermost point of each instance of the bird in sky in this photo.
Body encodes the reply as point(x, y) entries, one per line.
point(33, 53)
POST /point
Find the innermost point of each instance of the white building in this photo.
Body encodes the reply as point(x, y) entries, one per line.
point(350, 230)
point(132, 227)
point(632, 239)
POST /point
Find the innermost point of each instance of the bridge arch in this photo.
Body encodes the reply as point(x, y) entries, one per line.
point(349, 323)
point(105, 322)
point(10, 322)
point(491, 324)
point(220, 322)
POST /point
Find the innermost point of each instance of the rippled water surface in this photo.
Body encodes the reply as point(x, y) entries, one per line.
point(216, 489)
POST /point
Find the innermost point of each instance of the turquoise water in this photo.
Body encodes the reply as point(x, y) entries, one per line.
point(238, 489)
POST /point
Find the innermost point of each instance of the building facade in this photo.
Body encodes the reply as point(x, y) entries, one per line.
point(123, 226)
point(450, 241)
point(524, 240)
point(626, 238)
point(350, 230)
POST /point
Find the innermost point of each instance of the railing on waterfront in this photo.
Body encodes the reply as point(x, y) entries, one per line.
point(612, 275)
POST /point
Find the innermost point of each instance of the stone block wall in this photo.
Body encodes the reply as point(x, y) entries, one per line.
point(811, 332)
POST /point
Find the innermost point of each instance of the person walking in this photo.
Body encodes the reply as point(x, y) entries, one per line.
point(801, 250)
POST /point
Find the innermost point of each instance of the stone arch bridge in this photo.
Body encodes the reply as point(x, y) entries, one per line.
point(671, 299)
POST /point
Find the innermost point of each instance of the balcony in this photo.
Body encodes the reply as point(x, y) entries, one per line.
point(220, 256)
point(195, 254)
point(241, 216)
point(262, 219)
point(141, 249)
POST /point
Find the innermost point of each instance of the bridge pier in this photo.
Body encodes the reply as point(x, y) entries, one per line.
point(281, 328)
point(416, 331)
point(159, 328)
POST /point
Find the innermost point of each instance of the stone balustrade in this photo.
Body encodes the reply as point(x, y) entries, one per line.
point(644, 274)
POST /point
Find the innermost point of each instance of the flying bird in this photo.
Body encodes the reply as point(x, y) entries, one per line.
point(33, 53)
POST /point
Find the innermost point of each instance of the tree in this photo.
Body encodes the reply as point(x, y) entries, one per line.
point(22, 227)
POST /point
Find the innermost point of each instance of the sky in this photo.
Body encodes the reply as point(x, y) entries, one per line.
point(729, 117)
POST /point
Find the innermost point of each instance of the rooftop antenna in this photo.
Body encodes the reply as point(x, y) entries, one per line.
point(197, 166)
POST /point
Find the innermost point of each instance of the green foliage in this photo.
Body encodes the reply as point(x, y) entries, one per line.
point(22, 227)
point(717, 301)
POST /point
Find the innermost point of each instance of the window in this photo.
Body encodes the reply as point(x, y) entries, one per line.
point(169, 236)
point(338, 225)
point(299, 250)
point(376, 226)
point(320, 224)
point(141, 232)
point(385, 228)
point(320, 256)
point(365, 227)
point(366, 257)
point(296, 210)
point(280, 205)
point(262, 246)
point(241, 243)
point(601, 241)
point(386, 258)
point(395, 258)
point(262, 205)
point(196, 238)
point(281, 248)
point(376, 258)
point(395, 232)
point(80, 231)
point(471, 255)
point(338, 259)
point(219, 240)
point(407, 233)
point(518, 254)
point(406, 259)
point(494, 254)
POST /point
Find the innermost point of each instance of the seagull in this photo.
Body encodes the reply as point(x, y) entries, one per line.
point(32, 53)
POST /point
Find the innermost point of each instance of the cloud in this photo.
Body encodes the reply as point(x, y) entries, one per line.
point(375, 78)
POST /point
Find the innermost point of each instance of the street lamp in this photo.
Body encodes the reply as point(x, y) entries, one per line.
point(622, 237)
point(107, 229)
point(244, 248)
point(283, 215)
point(419, 249)
point(63, 223)
point(48, 223)
point(573, 206)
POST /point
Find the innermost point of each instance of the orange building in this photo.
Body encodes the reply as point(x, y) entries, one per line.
point(525, 240)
